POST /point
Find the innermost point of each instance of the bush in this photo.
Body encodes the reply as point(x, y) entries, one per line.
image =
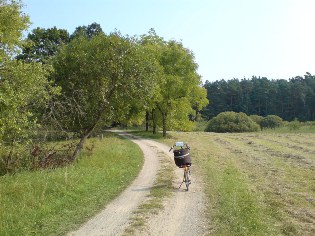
point(294, 125)
point(256, 118)
point(232, 122)
point(271, 121)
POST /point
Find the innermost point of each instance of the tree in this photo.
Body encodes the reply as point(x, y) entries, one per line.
point(198, 100)
point(42, 44)
point(100, 78)
point(12, 24)
point(153, 44)
point(310, 95)
point(87, 31)
point(178, 87)
point(285, 98)
point(23, 88)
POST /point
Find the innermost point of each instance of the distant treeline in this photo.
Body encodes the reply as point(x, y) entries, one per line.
point(289, 99)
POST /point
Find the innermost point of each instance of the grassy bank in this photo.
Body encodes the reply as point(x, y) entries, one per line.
point(256, 183)
point(51, 202)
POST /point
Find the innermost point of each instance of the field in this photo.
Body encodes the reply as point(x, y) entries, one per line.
point(256, 183)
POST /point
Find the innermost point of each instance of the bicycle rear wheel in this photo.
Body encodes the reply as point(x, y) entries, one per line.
point(187, 178)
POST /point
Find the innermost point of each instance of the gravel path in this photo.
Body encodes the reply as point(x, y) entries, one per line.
point(183, 212)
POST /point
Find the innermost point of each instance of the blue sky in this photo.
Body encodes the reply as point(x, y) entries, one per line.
point(229, 38)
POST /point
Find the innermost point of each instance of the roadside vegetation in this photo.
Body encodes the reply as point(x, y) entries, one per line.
point(54, 201)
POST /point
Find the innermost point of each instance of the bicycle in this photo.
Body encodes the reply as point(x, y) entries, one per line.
point(182, 160)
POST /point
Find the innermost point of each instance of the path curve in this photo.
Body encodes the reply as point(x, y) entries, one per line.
point(183, 213)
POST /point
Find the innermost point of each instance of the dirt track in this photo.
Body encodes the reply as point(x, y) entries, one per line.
point(183, 212)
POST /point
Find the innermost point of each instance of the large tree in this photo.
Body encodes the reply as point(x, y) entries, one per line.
point(179, 87)
point(100, 78)
point(42, 44)
point(178, 97)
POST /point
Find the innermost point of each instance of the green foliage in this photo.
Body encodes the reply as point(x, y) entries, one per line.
point(102, 79)
point(271, 121)
point(261, 96)
point(201, 126)
point(24, 90)
point(12, 24)
point(89, 31)
point(179, 94)
point(42, 44)
point(231, 122)
point(294, 125)
point(257, 119)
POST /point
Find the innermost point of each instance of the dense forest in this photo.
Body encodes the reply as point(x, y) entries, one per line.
point(288, 99)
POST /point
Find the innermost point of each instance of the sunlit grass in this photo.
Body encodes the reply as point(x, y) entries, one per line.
point(51, 202)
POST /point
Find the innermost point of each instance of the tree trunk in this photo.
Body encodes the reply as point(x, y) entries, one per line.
point(147, 121)
point(164, 124)
point(83, 138)
point(154, 122)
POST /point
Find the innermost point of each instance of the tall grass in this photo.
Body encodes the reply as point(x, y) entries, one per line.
point(52, 202)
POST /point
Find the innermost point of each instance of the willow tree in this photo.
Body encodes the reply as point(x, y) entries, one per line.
point(101, 77)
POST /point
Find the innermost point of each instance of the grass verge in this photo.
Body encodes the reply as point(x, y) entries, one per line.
point(52, 202)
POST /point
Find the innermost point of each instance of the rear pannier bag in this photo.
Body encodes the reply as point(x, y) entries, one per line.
point(182, 157)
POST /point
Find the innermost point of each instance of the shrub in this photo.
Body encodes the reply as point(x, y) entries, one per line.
point(271, 121)
point(256, 118)
point(294, 125)
point(231, 122)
